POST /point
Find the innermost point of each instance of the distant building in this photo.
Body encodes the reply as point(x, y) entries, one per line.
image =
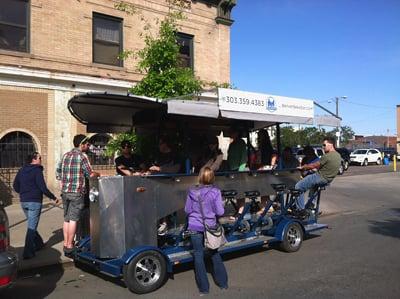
point(398, 128)
point(51, 50)
point(361, 141)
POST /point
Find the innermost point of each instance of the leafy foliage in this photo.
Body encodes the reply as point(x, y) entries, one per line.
point(347, 133)
point(114, 145)
point(159, 59)
point(311, 135)
point(141, 145)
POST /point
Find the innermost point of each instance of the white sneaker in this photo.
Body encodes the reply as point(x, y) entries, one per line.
point(162, 229)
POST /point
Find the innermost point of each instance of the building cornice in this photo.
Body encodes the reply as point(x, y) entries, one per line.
point(60, 77)
point(30, 78)
point(224, 10)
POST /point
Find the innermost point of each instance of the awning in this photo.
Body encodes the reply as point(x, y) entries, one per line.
point(193, 108)
point(103, 112)
point(111, 113)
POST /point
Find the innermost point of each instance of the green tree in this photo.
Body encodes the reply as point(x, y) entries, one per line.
point(159, 62)
point(159, 59)
point(347, 133)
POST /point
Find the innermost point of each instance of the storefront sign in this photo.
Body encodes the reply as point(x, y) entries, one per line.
point(236, 100)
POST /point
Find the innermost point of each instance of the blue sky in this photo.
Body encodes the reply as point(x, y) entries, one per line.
point(321, 49)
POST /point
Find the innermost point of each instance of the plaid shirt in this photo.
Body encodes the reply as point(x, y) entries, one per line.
point(72, 170)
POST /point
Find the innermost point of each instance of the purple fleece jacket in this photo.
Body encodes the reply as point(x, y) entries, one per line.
point(212, 204)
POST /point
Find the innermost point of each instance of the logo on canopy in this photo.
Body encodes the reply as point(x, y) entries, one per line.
point(271, 105)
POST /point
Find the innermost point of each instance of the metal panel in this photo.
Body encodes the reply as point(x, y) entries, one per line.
point(194, 108)
point(128, 208)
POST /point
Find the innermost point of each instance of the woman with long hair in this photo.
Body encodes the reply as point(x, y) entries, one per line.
point(203, 206)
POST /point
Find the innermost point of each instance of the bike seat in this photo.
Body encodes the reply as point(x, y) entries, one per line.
point(295, 192)
point(228, 193)
point(251, 194)
point(278, 187)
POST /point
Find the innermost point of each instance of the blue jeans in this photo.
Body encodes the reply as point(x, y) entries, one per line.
point(33, 241)
point(310, 182)
point(219, 271)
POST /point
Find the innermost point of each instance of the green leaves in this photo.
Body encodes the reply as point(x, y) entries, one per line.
point(310, 135)
point(114, 145)
point(159, 59)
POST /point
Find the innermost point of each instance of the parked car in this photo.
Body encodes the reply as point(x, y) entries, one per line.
point(299, 152)
point(8, 260)
point(366, 156)
point(345, 154)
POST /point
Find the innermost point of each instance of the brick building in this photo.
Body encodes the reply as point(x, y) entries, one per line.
point(51, 50)
point(361, 141)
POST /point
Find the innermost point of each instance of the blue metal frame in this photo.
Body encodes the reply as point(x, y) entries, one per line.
point(254, 238)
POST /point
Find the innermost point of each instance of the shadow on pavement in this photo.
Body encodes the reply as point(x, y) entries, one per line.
point(92, 271)
point(55, 238)
point(36, 283)
point(389, 227)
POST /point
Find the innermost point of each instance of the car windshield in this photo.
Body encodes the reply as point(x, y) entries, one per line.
point(360, 152)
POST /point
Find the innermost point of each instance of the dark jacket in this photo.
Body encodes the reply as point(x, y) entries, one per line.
point(30, 184)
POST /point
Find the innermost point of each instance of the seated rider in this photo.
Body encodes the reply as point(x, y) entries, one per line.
point(128, 163)
point(309, 157)
point(237, 160)
point(213, 156)
point(328, 167)
point(288, 159)
point(166, 162)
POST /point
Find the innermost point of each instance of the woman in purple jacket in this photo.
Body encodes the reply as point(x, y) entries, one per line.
point(210, 198)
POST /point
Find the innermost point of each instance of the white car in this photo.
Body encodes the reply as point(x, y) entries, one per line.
point(365, 156)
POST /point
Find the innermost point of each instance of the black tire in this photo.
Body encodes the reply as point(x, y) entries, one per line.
point(341, 169)
point(365, 163)
point(379, 161)
point(346, 165)
point(292, 238)
point(146, 272)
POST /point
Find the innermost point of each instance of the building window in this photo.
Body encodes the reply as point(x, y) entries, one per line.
point(107, 39)
point(96, 154)
point(14, 25)
point(14, 149)
point(185, 42)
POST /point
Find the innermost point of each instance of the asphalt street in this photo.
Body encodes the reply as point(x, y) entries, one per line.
point(357, 257)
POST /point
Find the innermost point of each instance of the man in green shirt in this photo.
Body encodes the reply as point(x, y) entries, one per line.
point(328, 167)
point(237, 152)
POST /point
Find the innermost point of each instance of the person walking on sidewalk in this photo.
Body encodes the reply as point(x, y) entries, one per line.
point(210, 198)
point(30, 185)
point(72, 170)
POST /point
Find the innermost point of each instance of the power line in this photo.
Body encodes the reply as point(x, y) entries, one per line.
point(366, 105)
point(367, 118)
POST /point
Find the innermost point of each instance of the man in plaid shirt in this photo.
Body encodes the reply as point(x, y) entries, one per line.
point(72, 170)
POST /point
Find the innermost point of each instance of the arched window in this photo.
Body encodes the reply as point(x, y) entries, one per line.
point(96, 153)
point(14, 149)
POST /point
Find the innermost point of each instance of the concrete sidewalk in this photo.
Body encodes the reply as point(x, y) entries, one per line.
point(50, 228)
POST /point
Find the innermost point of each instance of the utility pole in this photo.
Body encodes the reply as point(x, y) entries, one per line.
point(387, 144)
point(337, 115)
